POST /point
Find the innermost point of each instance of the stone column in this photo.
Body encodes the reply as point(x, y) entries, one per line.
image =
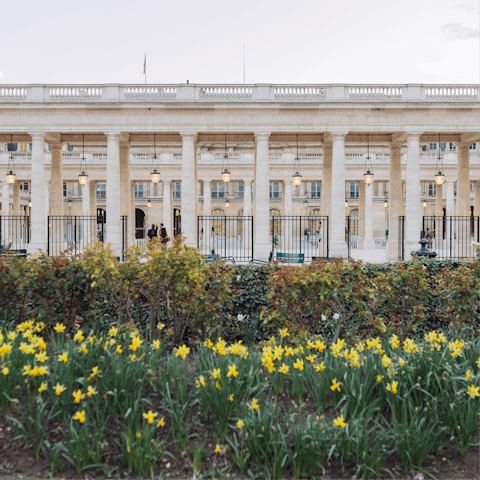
point(327, 178)
point(47, 211)
point(368, 243)
point(247, 211)
point(113, 209)
point(361, 213)
point(16, 198)
point(449, 225)
point(125, 190)
point(439, 216)
point(5, 241)
point(57, 178)
point(167, 207)
point(207, 211)
point(395, 201)
point(262, 246)
point(476, 210)
point(463, 179)
point(132, 219)
point(189, 189)
point(89, 224)
point(38, 219)
point(413, 205)
point(338, 246)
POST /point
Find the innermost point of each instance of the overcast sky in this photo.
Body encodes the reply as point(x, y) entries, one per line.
point(286, 41)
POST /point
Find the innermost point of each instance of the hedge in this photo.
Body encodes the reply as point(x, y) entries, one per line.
point(193, 298)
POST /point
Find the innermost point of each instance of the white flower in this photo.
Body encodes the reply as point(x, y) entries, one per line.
point(336, 316)
point(324, 318)
point(240, 317)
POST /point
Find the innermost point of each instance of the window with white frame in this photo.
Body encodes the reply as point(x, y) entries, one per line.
point(240, 188)
point(315, 190)
point(473, 146)
point(275, 190)
point(139, 190)
point(453, 147)
point(64, 190)
point(354, 190)
point(177, 190)
point(24, 186)
point(431, 190)
point(102, 190)
point(219, 190)
point(432, 146)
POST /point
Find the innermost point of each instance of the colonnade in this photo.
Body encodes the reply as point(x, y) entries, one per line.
point(120, 191)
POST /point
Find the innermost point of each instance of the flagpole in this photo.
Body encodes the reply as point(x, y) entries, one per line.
point(145, 67)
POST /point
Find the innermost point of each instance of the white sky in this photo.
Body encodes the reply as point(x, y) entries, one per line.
point(286, 41)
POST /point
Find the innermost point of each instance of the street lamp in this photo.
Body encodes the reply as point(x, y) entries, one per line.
point(11, 164)
point(30, 202)
point(83, 177)
point(439, 177)
point(149, 203)
point(225, 172)
point(155, 174)
point(227, 204)
point(368, 175)
point(297, 172)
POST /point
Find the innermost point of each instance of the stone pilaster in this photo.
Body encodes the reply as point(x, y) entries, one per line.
point(327, 178)
point(207, 211)
point(167, 207)
point(463, 178)
point(132, 217)
point(113, 210)
point(395, 201)
point(361, 213)
point(368, 242)
point(5, 239)
point(16, 198)
point(57, 179)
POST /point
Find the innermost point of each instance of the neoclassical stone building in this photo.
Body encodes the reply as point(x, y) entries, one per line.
point(328, 131)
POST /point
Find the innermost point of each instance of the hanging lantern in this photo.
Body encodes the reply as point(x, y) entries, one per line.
point(346, 203)
point(439, 177)
point(82, 176)
point(385, 204)
point(227, 204)
point(225, 172)
point(368, 175)
point(424, 204)
point(30, 202)
point(155, 174)
point(149, 203)
point(11, 165)
point(297, 173)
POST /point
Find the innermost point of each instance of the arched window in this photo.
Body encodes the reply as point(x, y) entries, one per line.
point(275, 225)
point(354, 221)
point(315, 223)
point(218, 224)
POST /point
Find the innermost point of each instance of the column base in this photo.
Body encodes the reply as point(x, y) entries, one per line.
point(261, 250)
point(366, 244)
point(35, 247)
point(338, 250)
point(391, 251)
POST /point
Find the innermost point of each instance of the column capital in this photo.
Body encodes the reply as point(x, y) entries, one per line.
point(262, 136)
point(188, 134)
point(38, 136)
point(413, 135)
point(124, 144)
point(113, 135)
point(56, 145)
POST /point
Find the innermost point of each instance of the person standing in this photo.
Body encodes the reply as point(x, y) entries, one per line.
point(163, 234)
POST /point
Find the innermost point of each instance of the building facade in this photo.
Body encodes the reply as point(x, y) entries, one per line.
point(405, 133)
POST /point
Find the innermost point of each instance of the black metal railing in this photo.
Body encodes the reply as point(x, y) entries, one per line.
point(227, 235)
point(451, 236)
point(300, 234)
point(14, 232)
point(76, 232)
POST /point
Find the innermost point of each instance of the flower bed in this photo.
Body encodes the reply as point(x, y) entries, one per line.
point(119, 402)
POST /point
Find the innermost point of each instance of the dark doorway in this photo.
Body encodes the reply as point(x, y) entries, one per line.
point(177, 222)
point(101, 227)
point(139, 223)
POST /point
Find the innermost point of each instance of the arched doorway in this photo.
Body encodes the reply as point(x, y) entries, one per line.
point(177, 222)
point(101, 224)
point(353, 227)
point(140, 226)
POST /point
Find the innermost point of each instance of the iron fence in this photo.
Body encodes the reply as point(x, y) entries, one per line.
point(14, 232)
point(300, 234)
point(401, 238)
point(451, 236)
point(76, 232)
point(228, 235)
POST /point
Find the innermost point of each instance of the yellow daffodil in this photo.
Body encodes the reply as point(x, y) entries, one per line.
point(5, 371)
point(217, 384)
point(386, 362)
point(284, 369)
point(41, 357)
point(200, 381)
point(80, 416)
point(113, 332)
point(160, 326)
point(12, 336)
point(217, 448)
point(42, 387)
point(478, 362)
point(208, 343)
point(59, 328)
point(95, 373)
point(119, 349)
point(136, 342)
point(91, 391)
point(283, 332)
point(161, 422)
point(410, 346)
point(216, 373)
point(473, 391)
point(311, 358)
point(335, 385)
point(150, 416)
point(182, 351)
point(231, 398)
point(298, 364)
point(394, 341)
point(320, 367)
point(392, 387)
point(59, 389)
point(340, 422)
point(255, 405)
point(156, 344)
point(240, 424)
point(380, 378)
point(128, 448)
point(232, 371)
point(138, 434)
point(319, 346)
point(77, 396)
point(468, 375)
point(79, 336)
point(63, 357)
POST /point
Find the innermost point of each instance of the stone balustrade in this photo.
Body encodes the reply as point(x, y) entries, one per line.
point(189, 92)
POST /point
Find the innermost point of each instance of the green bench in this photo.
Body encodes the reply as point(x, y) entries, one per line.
point(21, 252)
point(291, 257)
